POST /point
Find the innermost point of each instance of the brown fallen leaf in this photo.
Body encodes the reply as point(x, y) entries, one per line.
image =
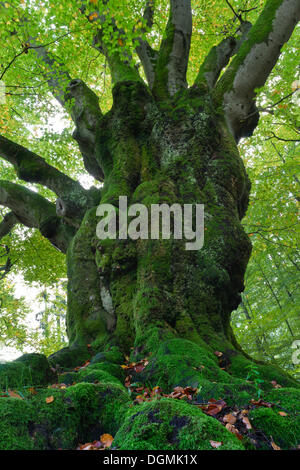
point(13, 394)
point(247, 422)
point(215, 444)
point(229, 419)
point(233, 430)
point(50, 399)
point(275, 384)
point(260, 402)
point(139, 399)
point(218, 353)
point(106, 440)
point(213, 407)
point(128, 381)
point(139, 368)
point(274, 446)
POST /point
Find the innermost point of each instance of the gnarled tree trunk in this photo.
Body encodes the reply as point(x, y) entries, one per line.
point(153, 300)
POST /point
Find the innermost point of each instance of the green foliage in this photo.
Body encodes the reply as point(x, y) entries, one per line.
point(254, 376)
point(13, 328)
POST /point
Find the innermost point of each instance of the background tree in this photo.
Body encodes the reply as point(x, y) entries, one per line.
point(167, 133)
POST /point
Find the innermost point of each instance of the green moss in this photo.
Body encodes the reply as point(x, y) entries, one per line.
point(29, 369)
point(57, 423)
point(285, 430)
point(86, 318)
point(69, 357)
point(100, 372)
point(78, 414)
point(288, 399)
point(179, 362)
point(102, 407)
point(267, 372)
point(112, 354)
point(16, 424)
point(168, 424)
point(236, 394)
point(103, 372)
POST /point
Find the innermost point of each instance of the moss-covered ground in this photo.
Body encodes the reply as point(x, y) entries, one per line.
point(133, 401)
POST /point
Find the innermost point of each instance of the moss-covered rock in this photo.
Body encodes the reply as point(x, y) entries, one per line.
point(102, 372)
point(284, 430)
point(288, 399)
point(267, 372)
point(69, 357)
point(57, 421)
point(237, 394)
point(180, 362)
point(98, 372)
point(113, 355)
point(102, 406)
point(29, 369)
point(168, 424)
point(62, 418)
point(16, 424)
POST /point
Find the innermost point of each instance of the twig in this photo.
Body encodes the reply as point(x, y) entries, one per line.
point(274, 136)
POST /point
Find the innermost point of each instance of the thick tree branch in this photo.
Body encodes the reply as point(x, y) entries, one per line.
point(253, 64)
point(7, 224)
point(34, 169)
point(214, 63)
point(79, 100)
point(173, 56)
point(147, 55)
point(119, 61)
point(32, 210)
point(219, 56)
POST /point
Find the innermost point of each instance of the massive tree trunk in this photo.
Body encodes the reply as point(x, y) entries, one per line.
point(151, 299)
point(126, 291)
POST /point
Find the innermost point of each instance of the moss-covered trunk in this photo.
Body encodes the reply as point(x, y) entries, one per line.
point(123, 291)
point(153, 300)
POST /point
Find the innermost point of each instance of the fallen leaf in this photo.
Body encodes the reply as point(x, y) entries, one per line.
point(139, 399)
point(260, 402)
point(282, 413)
point(218, 353)
point(233, 430)
point(13, 394)
point(247, 422)
point(106, 440)
point(50, 399)
point(229, 419)
point(275, 384)
point(274, 446)
point(139, 368)
point(215, 444)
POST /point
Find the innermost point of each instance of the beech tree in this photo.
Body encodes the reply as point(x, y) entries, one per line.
point(165, 139)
